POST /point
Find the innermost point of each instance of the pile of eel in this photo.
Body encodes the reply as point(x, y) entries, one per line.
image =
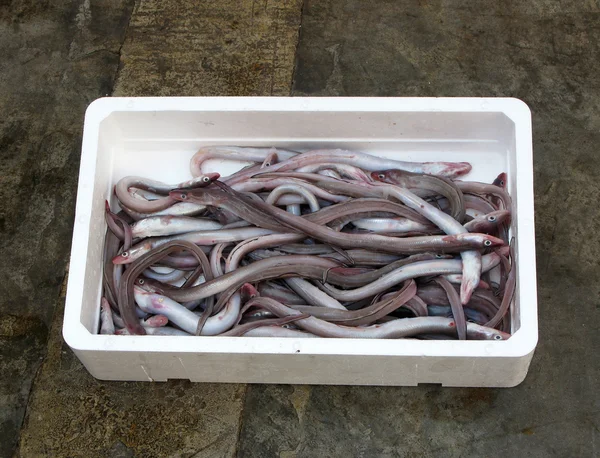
point(325, 243)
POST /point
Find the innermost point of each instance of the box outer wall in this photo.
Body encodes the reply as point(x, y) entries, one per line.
point(308, 361)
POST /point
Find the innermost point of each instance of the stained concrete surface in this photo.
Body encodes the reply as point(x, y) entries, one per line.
point(72, 414)
point(225, 47)
point(546, 53)
point(55, 62)
point(56, 59)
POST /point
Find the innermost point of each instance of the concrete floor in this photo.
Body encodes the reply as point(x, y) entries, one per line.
point(56, 59)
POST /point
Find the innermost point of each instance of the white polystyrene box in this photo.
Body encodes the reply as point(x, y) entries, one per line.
point(156, 137)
